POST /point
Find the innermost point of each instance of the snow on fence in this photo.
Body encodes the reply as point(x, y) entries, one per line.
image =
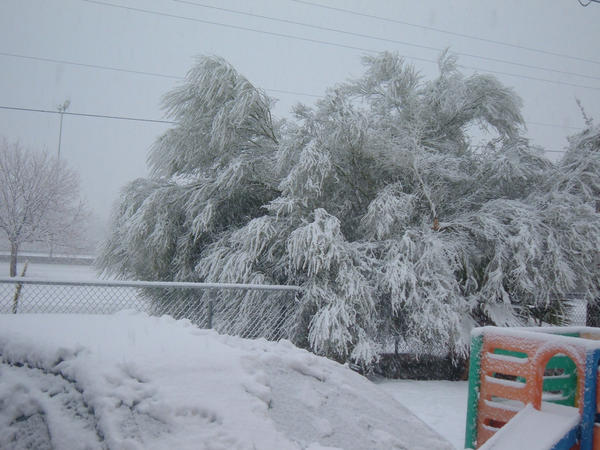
point(246, 310)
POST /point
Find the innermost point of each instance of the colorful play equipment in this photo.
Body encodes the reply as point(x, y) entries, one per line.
point(537, 386)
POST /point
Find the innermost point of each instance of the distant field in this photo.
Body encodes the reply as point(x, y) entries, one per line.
point(76, 272)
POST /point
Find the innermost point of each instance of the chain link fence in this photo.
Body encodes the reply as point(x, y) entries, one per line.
point(248, 311)
point(577, 311)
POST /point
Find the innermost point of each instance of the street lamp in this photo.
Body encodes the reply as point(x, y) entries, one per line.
point(61, 109)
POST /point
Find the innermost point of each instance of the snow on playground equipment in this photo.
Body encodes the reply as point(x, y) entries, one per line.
point(536, 386)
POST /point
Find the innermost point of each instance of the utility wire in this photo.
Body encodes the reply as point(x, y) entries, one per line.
point(135, 72)
point(448, 32)
point(394, 41)
point(238, 27)
point(91, 66)
point(175, 77)
point(553, 125)
point(282, 91)
point(527, 77)
point(588, 2)
point(103, 116)
point(135, 119)
point(322, 42)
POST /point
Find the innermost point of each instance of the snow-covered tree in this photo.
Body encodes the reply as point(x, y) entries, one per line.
point(210, 172)
point(580, 166)
point(39, 199)
point(579, 177)
point(375, 201)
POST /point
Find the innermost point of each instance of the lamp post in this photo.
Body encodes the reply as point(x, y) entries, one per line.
point(61, 109)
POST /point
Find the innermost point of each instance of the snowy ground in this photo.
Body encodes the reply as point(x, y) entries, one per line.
point(440, 404)
point(129, 381)
point(73, 272)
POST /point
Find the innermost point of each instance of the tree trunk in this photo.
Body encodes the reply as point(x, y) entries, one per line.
point(14, 248)
point(18, 288)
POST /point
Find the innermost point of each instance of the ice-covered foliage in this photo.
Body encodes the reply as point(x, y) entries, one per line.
point(211, 171)
point(580, 167)
point(375, 201)
point(578, 187)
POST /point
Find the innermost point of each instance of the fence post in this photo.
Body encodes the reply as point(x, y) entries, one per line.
point(18, 288)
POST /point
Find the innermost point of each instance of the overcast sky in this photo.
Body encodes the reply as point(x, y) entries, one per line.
point(164, 38)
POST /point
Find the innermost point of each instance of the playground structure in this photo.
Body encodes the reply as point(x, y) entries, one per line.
point(535, 386)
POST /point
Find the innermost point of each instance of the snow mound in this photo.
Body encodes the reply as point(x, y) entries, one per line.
point(130, 381)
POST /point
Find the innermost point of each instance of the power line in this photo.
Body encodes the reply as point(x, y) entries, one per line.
point(102, 116)
point(527, 77)
point(135, 119)
point(588, 2)
point(123, 70)
point(322, 42)
point(554, 125)
point(238, 27)
point(90, 66)
point(176, 77)
point(452, 33)
point(304, 94)
point(378, 38)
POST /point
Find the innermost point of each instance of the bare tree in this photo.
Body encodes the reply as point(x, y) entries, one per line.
point(39, 199)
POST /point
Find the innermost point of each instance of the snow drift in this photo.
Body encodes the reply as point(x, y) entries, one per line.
point(130, 381)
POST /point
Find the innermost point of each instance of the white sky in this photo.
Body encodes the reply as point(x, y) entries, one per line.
point(109, 153)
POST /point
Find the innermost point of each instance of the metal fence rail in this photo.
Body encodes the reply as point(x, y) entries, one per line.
point(246, 310)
